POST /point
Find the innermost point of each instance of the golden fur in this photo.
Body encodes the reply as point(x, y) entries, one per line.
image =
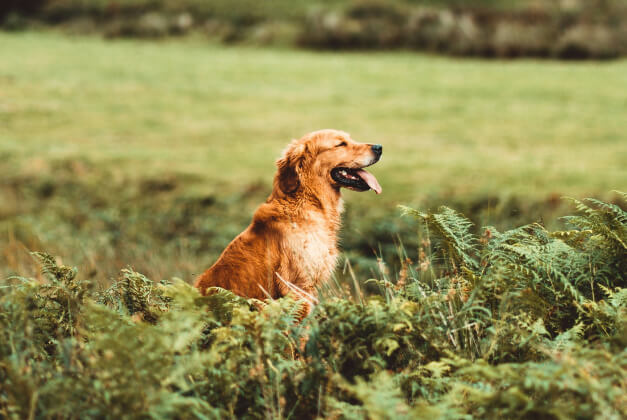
point(291, 244)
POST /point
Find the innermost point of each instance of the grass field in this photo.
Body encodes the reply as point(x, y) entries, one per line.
point(462, 127)
point(109, 147)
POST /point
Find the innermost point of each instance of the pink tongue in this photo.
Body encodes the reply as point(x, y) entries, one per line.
point(370, 180)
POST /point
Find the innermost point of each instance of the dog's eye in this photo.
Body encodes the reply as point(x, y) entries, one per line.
point(342, 144)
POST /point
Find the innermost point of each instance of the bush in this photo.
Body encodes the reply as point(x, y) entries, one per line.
point(20, 7)
point(526, 322)
point(586, 41)
point(14, 22)
point(513, 39)
point(494, 32)
point(569, 30)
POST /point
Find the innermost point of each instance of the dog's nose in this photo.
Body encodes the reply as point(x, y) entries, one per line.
point(377, 149)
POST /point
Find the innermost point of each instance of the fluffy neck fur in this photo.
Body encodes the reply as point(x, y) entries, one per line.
point(309, 200)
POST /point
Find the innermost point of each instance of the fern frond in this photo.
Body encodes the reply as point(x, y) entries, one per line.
point(569, 338)
point(49, 266)
point(455, 231)
point(605, 219)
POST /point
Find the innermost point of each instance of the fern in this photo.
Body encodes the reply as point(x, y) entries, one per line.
point(455, 231)
point(57, 273)
point(133, 293)
point(515, 324)
point(524, 276)
point(605, 220)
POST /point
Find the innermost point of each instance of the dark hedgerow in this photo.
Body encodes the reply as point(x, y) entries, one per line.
point(516, 324)
point(575, 29)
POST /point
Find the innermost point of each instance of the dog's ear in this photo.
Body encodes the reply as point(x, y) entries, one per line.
point(289, 165)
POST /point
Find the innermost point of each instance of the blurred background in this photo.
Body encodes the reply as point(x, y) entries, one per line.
point(143, 133)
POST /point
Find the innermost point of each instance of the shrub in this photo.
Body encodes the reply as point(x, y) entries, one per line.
point(583, 32)
point(585, 41)
point(514, 39)
point(14, 22)
point(570, 30)
point(514, 324)
point(20, 7)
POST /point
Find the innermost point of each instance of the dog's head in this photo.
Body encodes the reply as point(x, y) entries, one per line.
point(327, 157)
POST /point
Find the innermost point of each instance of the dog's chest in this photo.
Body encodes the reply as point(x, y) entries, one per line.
point(313, 250)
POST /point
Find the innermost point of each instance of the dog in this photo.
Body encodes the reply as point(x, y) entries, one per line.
point(290, 247)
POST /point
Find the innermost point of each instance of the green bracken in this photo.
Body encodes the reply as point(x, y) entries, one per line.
point(525, 323)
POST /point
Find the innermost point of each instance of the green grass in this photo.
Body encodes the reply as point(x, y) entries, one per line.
point(448, 126)
point(155, 155)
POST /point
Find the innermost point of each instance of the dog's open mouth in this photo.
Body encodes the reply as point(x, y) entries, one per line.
point(356, 179)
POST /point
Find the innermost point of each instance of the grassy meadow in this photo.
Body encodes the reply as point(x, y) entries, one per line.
point(130, 136)
point(462, 127)
point(134, 163)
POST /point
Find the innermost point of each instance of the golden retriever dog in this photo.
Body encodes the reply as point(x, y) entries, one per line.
point(290, 247)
